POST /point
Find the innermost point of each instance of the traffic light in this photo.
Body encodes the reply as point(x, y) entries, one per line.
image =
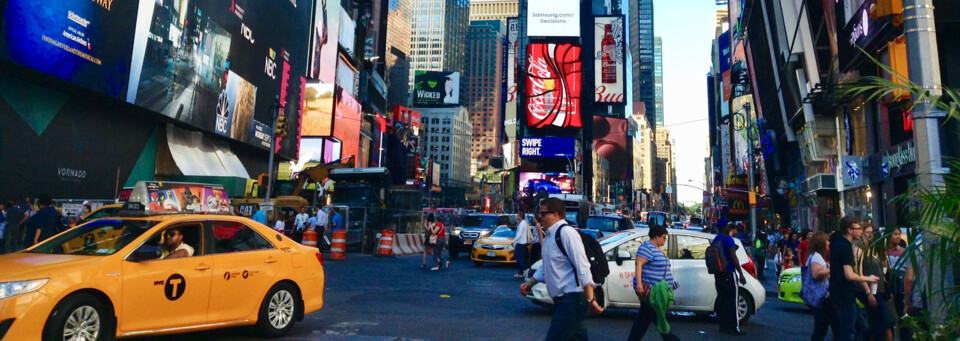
point(281, 130)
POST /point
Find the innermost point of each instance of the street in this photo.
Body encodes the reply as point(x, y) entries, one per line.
point(369, 298)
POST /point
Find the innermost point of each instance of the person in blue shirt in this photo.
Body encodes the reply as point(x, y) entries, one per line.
point(43, 224)
point(652, 266)
point(337, 221)
point(259, 216)
point(726, 281)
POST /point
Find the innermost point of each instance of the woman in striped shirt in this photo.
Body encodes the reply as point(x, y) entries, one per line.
point(653, 266)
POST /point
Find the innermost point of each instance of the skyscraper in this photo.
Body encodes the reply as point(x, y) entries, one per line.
point(494, 9)
point(398, 52)
point(439, 36)
point(641, 50)
point(658, 80)
point(485, 87)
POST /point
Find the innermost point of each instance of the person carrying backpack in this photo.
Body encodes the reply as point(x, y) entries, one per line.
point(566, 271)
point(722, 262)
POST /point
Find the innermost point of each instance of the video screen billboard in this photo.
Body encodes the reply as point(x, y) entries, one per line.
point(81, 41)
point(317, 110)
point(211, 64)
point(548, 147)
point(552, 183)
point(436, 89)
point(323, 42)
point(553, 18)
point(348, 33)
point(346, 126)
point(553, 86)
point(513, 68)
point(610, 141)
point(347, 76)
point(610, 59)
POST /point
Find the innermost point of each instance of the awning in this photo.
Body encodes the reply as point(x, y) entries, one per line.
point(197, 155)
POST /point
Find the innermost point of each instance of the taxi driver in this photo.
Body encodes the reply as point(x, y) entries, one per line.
point(173, 245)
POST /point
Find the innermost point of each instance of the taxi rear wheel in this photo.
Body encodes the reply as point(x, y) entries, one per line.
point(79, 317)
point(278, 311)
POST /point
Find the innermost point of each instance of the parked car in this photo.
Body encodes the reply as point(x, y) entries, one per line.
point(460, 238)
point(789, 284)
point(598, 226)
point(696, 292)
point(495, 248)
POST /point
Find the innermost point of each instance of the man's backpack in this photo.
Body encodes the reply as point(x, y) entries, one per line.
point(716, 257)
point(599, 268)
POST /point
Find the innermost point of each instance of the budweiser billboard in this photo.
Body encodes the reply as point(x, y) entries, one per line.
point(553, 85)
point(610, 60)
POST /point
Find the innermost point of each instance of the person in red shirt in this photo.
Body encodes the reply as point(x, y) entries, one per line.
point(802, 247)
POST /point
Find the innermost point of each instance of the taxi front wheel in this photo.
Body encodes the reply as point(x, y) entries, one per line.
point(278, 310)
point(80, 316)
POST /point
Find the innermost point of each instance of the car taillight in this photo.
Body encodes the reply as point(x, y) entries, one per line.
point(750, 267)
point(320, 258)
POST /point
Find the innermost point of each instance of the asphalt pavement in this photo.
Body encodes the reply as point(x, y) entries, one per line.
point(370, 298)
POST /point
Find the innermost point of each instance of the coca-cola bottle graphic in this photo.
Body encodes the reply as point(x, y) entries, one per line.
point(608, 51)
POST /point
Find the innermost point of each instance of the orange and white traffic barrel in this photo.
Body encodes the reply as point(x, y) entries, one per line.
point(386, 243)
point(338, 245)
point(310, 238)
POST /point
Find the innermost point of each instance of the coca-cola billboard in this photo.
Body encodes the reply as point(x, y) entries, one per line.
point(553, 85)
point(609, 59)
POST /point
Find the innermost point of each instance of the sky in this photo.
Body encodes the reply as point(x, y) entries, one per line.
point(687, 28)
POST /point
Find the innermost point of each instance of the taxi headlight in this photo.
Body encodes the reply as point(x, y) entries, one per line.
point(482, 246)
point(484, 232)
point(795, 278)
point(8, 289)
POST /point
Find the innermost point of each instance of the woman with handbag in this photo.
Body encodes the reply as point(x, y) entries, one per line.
point(428, 227)
point(655, 287)
point(816, 282)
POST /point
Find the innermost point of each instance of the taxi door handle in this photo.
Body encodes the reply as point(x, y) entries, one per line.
point(270, 260)
point(202, 267)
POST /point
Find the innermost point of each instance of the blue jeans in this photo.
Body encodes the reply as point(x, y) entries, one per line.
point(850, 322)
point(568, 313)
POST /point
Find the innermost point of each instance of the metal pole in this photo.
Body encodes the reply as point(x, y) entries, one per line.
point(753, 211)
point(273, 148)
point(924, 67)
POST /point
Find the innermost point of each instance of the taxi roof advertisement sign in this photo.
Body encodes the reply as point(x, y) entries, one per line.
point(553, 18)
point(179, 197)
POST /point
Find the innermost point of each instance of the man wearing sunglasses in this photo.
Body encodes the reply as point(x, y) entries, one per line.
point(568, 279)
point(173, 245)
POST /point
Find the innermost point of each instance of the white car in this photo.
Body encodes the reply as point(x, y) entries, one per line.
point(686, 251)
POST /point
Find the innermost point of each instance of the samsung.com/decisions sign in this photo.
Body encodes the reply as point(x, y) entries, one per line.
point(553, 18)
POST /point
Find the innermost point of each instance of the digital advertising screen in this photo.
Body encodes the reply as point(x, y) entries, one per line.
point(84, 42)
point(347, 76)
point(513, 73)
point(346, 126)
point(548, 147)
point(610, 141)
point(609, 59)
point(553, 18)
point(215, 65)
point(348, 33)
point(436, 89)
point(553, 85)
point(317, 110)
point(323, 41)
point(552, 183)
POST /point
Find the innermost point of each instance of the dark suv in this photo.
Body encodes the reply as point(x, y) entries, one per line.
point(598, 226)
point(472, 227)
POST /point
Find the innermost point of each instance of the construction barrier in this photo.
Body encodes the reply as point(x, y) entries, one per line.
point(338, 245)
point(408, 244)
point(386, 243)
point(310, 238)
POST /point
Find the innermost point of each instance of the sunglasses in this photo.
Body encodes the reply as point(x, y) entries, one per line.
point(543, 213)
point(171, 234)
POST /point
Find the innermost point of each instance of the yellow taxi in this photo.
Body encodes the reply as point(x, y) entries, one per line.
point(109, 210)
point(496, 247)
point(173, 261)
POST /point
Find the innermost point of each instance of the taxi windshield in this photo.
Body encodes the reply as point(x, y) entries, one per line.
point(98, 238)
point(505, 232)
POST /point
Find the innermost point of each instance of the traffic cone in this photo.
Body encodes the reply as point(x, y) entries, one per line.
point(386, 243)
point(310, 238)
point(338, 245)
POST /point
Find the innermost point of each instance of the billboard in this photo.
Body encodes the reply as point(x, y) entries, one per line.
point(552, 183)
point(81, 41)
point(726, 53)
point(346, 126)
point(553, 85)
point(610, 141)
point(317, 110)
point(347, 76)
point(513, 75)
point(609, 49)
point(553, 18)
point(436, 89)
point(547, 147)
point(348, 33)
point(323, 43)
point(741, 129)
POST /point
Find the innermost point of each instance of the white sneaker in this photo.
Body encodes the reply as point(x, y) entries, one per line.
point(436, 268)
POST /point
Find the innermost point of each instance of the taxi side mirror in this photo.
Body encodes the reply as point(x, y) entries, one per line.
point(144, 253)
point(623, 255)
